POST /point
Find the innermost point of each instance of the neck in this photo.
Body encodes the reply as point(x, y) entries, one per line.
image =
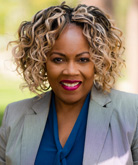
point(66, 108)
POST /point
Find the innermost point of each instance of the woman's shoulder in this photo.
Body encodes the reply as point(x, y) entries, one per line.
point(121, 102)
point(115, 98)
point(125, 104)
point(121, 97)
point(18, 110)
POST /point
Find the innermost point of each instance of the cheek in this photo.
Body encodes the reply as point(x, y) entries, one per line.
point(53, 73)
point(52, 79)
point(50, 73)
point(89, 72)
point(50, 69)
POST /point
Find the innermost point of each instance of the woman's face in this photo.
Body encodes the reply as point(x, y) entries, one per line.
point(69, 68)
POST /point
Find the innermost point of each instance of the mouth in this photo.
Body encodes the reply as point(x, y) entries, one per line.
point(70, 85)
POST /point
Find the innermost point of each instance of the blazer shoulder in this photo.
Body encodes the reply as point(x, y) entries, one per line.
point(22, 105)
point(122, 96)
point(17, 110)
point(123, 101)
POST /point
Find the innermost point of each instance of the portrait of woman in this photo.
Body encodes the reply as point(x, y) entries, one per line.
point(70, 58)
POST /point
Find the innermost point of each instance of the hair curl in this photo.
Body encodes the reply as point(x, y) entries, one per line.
point(37, 37)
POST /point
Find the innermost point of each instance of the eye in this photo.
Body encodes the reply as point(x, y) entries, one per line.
point(57, 60)
point(84, 60)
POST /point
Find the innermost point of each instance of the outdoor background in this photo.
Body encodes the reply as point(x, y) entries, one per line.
point(13, 12)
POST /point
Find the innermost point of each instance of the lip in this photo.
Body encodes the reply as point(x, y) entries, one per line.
point(68, 84)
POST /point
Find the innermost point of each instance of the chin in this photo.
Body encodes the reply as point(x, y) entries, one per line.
point(72, 99)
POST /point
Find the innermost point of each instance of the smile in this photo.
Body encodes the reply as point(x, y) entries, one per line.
point(70, 85)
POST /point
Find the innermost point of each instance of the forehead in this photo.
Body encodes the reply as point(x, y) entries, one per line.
point(71, 38)
point(71, 30)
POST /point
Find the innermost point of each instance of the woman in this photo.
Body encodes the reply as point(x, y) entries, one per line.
point(82, 120)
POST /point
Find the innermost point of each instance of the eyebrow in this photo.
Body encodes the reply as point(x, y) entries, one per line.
point(61, 54)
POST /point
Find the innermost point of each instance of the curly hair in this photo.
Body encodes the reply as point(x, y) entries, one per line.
point(37, 37)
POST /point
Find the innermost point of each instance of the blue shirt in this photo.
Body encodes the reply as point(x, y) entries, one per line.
point(50, 150)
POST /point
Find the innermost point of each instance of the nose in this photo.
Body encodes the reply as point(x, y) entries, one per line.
point(71, 69)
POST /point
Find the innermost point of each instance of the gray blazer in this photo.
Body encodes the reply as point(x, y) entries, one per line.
point(111, 134)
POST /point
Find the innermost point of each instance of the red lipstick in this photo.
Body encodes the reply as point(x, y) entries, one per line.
point(70, 85)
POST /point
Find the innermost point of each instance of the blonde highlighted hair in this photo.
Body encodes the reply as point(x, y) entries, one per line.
point(37, 37)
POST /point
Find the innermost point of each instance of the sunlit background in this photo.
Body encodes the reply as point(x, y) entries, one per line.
point(13, 12)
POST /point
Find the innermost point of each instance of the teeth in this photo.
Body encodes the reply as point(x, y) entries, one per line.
point(70, 85)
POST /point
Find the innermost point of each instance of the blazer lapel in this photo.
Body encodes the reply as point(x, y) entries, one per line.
point(34, 125)
point(97, 126)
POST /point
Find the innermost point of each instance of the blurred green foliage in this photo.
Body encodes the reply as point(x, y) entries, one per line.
point(121, 9)
point(13, 12)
